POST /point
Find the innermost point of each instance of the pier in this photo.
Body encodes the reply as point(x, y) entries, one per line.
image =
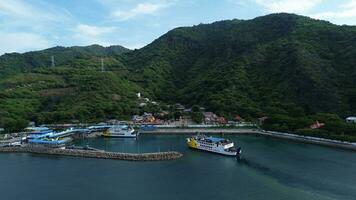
point(201, 130)
point(157, 156)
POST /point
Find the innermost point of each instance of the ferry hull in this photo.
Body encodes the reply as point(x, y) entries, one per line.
point(219, 152)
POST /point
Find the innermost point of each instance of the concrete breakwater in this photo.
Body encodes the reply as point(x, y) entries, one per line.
point(158, 156)
point(312, 140)
point(202, 131)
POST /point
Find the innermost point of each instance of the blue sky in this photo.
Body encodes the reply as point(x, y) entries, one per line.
point(37, 24)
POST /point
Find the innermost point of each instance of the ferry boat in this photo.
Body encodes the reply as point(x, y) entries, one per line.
point(120, 131)
point(50, 142)
point(38, 132)
point(212, 144)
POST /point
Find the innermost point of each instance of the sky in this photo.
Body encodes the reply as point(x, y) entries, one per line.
point(27, 25)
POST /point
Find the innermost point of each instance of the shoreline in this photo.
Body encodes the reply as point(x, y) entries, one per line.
point(240, 131)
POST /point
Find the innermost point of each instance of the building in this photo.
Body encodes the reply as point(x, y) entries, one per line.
point(209, 117)
point(142, 104)
point(2, 129)
point(179, 107)
point(137, 118)
point(187, 110)
point(351, 120)
point(221, 120)
point(316, 125)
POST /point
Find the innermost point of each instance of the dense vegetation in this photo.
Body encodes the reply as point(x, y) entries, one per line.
point(290, 68)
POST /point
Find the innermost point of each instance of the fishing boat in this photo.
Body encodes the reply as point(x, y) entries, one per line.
point(213, 144)
point(120, 131)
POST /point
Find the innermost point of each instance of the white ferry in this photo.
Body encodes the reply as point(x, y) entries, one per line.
point(121, 131)
point(212, 144)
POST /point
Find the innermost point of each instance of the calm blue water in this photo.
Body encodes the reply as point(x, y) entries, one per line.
point(269, 169)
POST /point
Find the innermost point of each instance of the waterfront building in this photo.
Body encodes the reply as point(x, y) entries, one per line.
point(209, 117)
point(351, 119)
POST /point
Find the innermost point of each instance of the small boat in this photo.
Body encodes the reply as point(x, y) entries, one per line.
point(120, 131)
point(212, 144)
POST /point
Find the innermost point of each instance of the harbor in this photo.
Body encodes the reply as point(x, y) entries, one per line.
point(269, 168)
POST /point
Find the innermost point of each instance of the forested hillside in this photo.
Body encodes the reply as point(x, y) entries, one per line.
point(287, 67)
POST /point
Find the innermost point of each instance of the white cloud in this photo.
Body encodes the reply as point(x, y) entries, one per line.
point(19, 10)
point(21, 42)
point(26, 26)
point(290, 6)
point(93, 31)
point(89, 34)
point(346, 10)
point(140, 9)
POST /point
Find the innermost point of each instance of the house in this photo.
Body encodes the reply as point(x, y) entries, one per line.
point(142, 104)
point(179, 107)
point(187, 110)
point(209, 117)
point(316, 125)
point(351, 120)
point(238, 118)
point(137, 118)
point(149, 119)
point(221, 120)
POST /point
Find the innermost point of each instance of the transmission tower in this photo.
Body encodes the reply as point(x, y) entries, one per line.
point(102, 64)
point(52, 61)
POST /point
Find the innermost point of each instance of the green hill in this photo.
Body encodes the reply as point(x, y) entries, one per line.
point(287, 67)
point(12, 63)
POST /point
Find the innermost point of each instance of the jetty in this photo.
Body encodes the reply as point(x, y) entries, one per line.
point(157, 156)
point(312, 140)
point(201, 130)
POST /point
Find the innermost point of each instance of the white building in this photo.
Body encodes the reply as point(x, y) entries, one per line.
point(351, 120)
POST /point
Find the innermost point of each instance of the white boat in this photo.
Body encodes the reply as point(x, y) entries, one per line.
point(212, 144)
point(120, 131)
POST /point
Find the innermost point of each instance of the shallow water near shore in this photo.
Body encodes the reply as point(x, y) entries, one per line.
point(269, 168)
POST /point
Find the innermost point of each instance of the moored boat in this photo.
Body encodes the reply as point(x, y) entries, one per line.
point(120, 131)
point(38, 132)
point(213, 144)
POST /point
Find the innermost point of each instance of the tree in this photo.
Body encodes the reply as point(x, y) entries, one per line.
point(177, 115)
point(197, 117)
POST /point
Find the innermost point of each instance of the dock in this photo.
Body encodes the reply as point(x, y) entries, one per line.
point(200, 130)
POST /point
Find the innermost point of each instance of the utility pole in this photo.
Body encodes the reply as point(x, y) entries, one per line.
point(102, 64)
point(52, 61)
